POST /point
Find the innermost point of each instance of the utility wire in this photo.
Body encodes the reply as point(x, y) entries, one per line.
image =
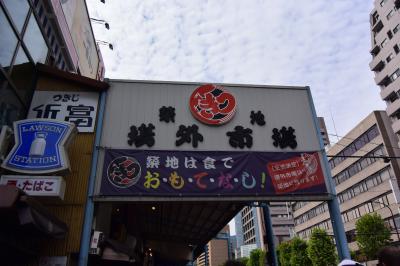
point(377, 144)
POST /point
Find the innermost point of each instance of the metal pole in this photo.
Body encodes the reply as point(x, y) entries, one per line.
point(89, 208)
point(270, 235)
point(338, 229)
point(333, 205)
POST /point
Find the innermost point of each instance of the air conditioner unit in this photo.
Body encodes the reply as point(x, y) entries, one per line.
point(97, 238)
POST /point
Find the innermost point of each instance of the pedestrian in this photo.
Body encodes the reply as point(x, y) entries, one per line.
point(348, 262)
point(389, 256)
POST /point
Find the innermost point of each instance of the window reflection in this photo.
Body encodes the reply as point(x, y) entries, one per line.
point(34, 41)
point(21, 57)
point(22, 76)
point(8, 41)
point(18, 10)
point(11, 109)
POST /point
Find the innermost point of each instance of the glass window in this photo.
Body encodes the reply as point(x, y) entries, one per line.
point(390, 14)
point(8, 41)
point(18, 10)
point(22, 76)
point(390, 57)
point(21, 57)
point(396, 29)
point(34, 41)
point(384, 42)
point(11, 108)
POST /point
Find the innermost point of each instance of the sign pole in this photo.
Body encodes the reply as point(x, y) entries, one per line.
point(270, 235)
point(89, 208)
point(333, 204)
point(338, 229)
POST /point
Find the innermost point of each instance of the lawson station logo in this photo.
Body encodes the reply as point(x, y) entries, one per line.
point(40, 146)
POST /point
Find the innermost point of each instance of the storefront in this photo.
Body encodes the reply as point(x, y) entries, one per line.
point(177, 161)
point(50, 165)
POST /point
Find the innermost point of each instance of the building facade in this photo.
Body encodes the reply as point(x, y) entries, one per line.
point(363, 184)
point(217, 250)
point(48, 46)
point(51, 32)
point(385, 63)
point(250, 227)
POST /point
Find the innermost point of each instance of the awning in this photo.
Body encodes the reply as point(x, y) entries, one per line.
point(26, 214)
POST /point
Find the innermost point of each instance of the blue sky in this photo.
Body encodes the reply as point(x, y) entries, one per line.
point(317, 43)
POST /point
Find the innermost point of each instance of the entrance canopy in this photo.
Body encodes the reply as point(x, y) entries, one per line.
point(177, 161)
point(187, 226)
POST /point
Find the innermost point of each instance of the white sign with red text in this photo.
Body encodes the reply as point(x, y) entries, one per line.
point(44, 186)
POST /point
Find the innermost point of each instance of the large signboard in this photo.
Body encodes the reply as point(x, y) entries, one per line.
point(188, 140)
point(40, 146)
point(77, 107)
point(202, 173)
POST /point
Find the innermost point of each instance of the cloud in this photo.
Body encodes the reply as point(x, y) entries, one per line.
point(325, 46)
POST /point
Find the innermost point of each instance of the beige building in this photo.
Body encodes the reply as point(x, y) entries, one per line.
point(216, 251)
point(364, 183)
point(324, 132)
point(385, 40)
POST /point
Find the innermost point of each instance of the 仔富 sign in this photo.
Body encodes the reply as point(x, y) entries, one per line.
point(76, 107)
point(40, 146)
point(47, 186)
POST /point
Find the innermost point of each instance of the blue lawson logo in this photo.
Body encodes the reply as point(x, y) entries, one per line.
point(40, 146)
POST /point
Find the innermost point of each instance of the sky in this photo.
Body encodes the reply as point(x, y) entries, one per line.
point(317, 43)
point(265, 42)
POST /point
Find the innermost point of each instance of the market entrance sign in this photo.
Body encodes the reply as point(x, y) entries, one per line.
point(40, 146)
point(238, 141)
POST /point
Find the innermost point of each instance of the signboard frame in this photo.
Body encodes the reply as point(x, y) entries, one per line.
point(283, 197)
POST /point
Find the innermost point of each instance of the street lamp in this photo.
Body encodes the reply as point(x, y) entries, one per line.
point(101, 21)
point(105, 43)
point(391, 212)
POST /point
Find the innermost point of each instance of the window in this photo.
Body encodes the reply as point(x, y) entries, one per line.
point(390, 14)
point(352, 148)
point(18, 10)
point(384, 42)
point(34, 41)
point(395, 75)
point(11, 108)
point(396, 29)
point(390, 57)
point(8, 41)
point(390, 34)
point(396, 49)
point(383, 2)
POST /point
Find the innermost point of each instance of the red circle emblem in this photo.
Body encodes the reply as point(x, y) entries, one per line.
point(212, 104)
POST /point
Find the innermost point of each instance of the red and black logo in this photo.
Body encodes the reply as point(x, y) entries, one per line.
point(212, 104)
point(124, 172)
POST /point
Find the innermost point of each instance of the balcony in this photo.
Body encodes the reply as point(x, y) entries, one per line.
point(382, 80)
point(377, 27)
point(375, 50)
point(393, 87)
point(377, 65)
point(396, 126)
point(393, 108)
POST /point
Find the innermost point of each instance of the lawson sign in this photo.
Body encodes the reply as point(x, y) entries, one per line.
point(40, 146)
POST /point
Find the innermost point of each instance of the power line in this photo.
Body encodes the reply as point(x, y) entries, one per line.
point(377, 144)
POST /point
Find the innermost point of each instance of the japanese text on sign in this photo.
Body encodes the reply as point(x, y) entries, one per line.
point(79, 108)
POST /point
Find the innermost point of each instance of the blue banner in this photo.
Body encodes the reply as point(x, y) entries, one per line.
point(210, 173)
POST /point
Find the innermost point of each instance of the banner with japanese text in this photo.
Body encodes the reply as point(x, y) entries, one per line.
point(210, 173)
